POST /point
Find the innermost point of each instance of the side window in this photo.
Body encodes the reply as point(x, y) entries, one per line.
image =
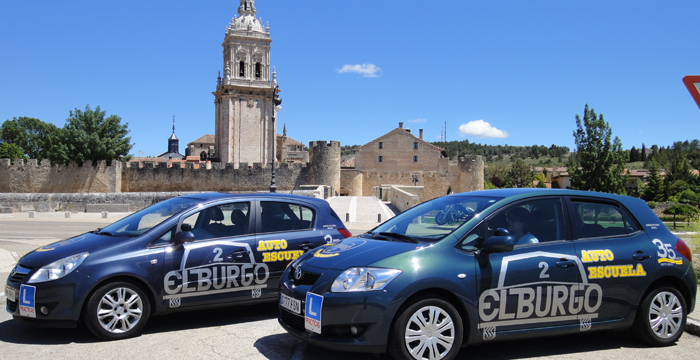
point(381, 145)
point(598, 219)
point(219, 221)
point(164, 239)
point(281, 216)
point(531, 222)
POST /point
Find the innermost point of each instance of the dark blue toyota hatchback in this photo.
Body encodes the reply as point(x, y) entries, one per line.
point(493, 265)
point(188, 252)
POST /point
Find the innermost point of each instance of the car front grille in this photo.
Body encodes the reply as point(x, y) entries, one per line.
point(307, 278)
point(294, 321)
point(19, 273)
point(11, 306)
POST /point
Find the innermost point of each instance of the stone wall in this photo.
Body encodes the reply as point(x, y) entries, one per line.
point(147, 176)
point(351, 180)
point(406, 197)
point(465, 174)
point(82, 202)
point(45, 178)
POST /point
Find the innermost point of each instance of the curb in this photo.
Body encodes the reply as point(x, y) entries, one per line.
point(692, 326)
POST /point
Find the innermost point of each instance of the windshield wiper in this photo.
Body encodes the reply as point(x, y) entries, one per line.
point(399, 236)
point(106, 233)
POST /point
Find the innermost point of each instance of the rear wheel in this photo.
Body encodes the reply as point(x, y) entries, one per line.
point(117, 310)
point(427, 329)
point(661, 317)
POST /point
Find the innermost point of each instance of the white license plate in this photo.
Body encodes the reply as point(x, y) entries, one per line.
point(290, 303)
point(11, 294)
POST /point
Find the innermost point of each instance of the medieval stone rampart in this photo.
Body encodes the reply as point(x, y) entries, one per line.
point(81, 202)
point(147, 176)
point(18, 177)
point(465, 174)
point(324, 163)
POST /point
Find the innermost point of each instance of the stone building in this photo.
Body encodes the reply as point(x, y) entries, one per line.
point(290, 150)
point(204, 147)
point(244, 126)
point(399, 150)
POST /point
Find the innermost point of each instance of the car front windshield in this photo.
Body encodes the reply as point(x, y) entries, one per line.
point(144, 220)
point(433, 220)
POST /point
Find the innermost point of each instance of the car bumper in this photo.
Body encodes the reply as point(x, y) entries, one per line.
point(371, 313)
point(53, 304)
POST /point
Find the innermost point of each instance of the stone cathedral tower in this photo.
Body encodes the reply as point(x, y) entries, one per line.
point(244, 128)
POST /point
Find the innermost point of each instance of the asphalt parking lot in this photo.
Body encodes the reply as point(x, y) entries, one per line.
point(248, 332)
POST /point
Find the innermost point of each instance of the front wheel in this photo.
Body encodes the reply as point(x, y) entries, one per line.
point(117, 310)
point(427, 329)
point(660, 320)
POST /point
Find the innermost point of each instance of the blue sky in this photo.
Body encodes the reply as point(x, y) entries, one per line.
point(498, 72)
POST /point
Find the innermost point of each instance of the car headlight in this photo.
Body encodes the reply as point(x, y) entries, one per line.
point(58, 269)
point(363, 279)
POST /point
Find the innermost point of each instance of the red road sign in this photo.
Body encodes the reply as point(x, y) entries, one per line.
point(692, 82)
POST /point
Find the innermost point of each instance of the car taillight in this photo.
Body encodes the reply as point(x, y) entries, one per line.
point(684, 250)
point(345, 233)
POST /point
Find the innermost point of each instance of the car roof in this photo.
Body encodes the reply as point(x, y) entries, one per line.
point(264, 196)
point(533, 192)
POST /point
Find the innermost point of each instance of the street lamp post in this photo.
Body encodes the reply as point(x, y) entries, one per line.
point(276, 101)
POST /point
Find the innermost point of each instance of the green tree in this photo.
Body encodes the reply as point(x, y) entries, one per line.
point(520, 174)
point(602, 162)
point(688, 197)
point(684, 210)
point(89, 135)
point(33, 136)
point(654, 190)
point(10, 151)
point(643, 153)
point(634, 154)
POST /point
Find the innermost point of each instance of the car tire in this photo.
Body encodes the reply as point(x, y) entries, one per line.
point(660, 320)
point(116, 311)
point(428, 328)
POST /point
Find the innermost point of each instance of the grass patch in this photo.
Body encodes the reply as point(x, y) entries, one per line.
point(694, 245)
point(680, 226)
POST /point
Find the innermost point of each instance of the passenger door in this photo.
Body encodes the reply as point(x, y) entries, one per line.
point(536, 285)
point(220, 265)
point(286, 230)
point(617, 254)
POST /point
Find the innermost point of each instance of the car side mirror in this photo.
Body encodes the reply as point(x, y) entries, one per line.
point(183, 236)
point(501, 241)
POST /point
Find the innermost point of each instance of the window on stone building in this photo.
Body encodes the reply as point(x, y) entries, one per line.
point(241, 69)
point(258, 71)
point(415, 145)
point(381, 145)
point(415, 159)
point(381, 158)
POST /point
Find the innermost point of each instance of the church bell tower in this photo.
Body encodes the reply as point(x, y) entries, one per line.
point(245, 130)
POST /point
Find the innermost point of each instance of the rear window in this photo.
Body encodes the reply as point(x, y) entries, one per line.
point(601, 220)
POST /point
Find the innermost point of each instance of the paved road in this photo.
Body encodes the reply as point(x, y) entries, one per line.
point(251, 332)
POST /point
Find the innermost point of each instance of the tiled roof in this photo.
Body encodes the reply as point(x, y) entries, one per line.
point(204, 139)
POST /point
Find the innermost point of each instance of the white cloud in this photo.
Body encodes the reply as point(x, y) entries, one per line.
point(481, 129)
point(417, 120)
point(367, 70)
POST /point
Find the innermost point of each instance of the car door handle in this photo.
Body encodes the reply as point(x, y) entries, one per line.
point(240, 252)
point(641, 256)
point(306, 246)
point(565, 263)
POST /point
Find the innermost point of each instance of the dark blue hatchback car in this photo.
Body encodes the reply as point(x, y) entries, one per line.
point(493, 265)
point(188, 252)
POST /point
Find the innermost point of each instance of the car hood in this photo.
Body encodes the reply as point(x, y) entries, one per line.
point(64, 248)
point(357, 252)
